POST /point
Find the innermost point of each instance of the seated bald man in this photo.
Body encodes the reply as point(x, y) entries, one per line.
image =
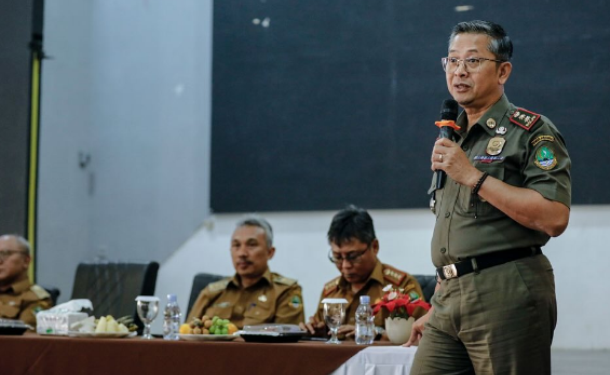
point(19, 299)
point(254, 295)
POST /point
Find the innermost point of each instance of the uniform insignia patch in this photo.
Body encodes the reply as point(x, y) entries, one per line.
point(495, 145)
point(501, 130)
point(542, 138)
point(295, 302)
point(393, 275)
point(331, 286)
point(545, 158)
point(222, 305)
point(284, 280)
point(262, 298)
point(218, 285)
point(524, 118)
point(487, 159)
point(491, 123)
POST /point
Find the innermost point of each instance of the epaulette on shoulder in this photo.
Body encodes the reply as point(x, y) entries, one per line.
point(283, 280)
point(217, 286)
point(331, 286)
point(393, 275)
point(524, 118)
point(40, 292)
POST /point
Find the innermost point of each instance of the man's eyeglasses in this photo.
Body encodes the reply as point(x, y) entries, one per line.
point(471, 65)
point(4, 254)
point(352, 257)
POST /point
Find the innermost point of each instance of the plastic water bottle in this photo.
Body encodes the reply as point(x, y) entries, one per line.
point(365, 322)
point(171, 318)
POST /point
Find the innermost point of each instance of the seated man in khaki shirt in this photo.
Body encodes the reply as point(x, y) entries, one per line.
point(254, 295)
point(354, 249)
point(19, 299)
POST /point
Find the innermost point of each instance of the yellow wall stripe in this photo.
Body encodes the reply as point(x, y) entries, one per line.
point(33, 176)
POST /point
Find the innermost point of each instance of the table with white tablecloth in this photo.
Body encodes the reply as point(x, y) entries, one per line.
point(379, 360)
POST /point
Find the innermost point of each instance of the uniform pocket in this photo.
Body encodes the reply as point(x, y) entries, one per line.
point(469, 203)
point(223, 310)
point(8, 311)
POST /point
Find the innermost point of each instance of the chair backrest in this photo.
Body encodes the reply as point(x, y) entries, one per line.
point(200, 281)
point(427, 283)
point(113, 287)
point(53, 291)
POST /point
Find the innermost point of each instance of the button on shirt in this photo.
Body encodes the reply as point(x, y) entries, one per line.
point(457, 233)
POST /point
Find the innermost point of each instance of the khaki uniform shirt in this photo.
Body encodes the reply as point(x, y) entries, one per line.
point(274, 299)
point(381, 276)
point(517, 147)
point(23, 300)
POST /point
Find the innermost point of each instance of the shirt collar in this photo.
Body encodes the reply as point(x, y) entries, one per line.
point(496, 112)
point(21, 285)
point(267, 276)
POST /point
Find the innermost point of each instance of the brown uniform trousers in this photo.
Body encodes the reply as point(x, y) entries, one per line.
point(381, 276)
point(274, 299)
point(23, 300)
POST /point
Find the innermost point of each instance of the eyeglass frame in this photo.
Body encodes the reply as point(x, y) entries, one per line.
point(5, 254)
point(356, 258)
point(445, 61)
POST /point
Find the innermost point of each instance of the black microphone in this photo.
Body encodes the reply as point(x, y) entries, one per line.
point(449, 113)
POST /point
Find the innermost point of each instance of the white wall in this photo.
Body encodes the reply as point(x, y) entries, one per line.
point(580, 259)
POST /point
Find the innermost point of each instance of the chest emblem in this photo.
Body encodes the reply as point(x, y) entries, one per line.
point(501, 130)
point(262, 298)
point(545, 158)
point(495, 146)
point(491, 123)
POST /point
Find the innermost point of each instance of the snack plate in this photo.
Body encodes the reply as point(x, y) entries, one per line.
point(190, 337)
point(102, 335)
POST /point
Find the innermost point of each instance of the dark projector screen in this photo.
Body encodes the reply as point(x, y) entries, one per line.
point(320, 103)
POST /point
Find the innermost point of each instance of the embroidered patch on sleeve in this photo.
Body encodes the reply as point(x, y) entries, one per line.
point(542, 138)
point(545, 158)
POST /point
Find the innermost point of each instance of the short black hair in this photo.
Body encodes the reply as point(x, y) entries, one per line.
point(351, 223)
point(500, 45)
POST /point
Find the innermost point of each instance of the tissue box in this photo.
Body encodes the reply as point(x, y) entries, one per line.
point(50, 323)
point(57, 321)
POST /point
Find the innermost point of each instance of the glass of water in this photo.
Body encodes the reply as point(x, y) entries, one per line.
point(148, 308)
point(334, 312)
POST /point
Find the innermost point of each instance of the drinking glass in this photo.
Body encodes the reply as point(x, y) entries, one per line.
point(148, 308)
point(334, 312)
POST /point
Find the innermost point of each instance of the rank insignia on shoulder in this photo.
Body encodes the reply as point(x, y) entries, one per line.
point(393, 275)
point(495, 146)
point(284, 280)
point(545, 158)
point(218, 285)
point(542, 138)
point(331, 286)
point(524, 118)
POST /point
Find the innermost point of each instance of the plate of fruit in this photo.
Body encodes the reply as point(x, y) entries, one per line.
point(208, 329)
point(104, 327)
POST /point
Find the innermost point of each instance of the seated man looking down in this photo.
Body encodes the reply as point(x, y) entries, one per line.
point(354, 249)
point(254, 295)
point(19, 299)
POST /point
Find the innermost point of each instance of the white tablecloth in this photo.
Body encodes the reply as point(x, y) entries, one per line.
point(379, 360)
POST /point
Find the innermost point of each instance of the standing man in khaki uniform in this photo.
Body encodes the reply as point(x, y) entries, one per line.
point(354, 249)
point(19, 299)
point(508, 191)
point(254, 295)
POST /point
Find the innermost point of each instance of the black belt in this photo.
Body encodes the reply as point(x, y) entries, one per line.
point(485, 261)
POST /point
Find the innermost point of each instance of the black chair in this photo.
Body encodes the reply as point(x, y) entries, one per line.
point(200, 281)
point(112, 287)
point(53, 291)
point(427, 283)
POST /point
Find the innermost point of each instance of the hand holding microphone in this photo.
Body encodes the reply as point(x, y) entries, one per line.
point(449, 113)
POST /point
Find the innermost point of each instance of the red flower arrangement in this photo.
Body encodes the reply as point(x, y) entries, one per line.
point(401, 305)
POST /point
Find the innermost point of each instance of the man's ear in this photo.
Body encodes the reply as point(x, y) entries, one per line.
point(504, 72)
point(26, 261)
point(375, 246)
point(270, 253)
